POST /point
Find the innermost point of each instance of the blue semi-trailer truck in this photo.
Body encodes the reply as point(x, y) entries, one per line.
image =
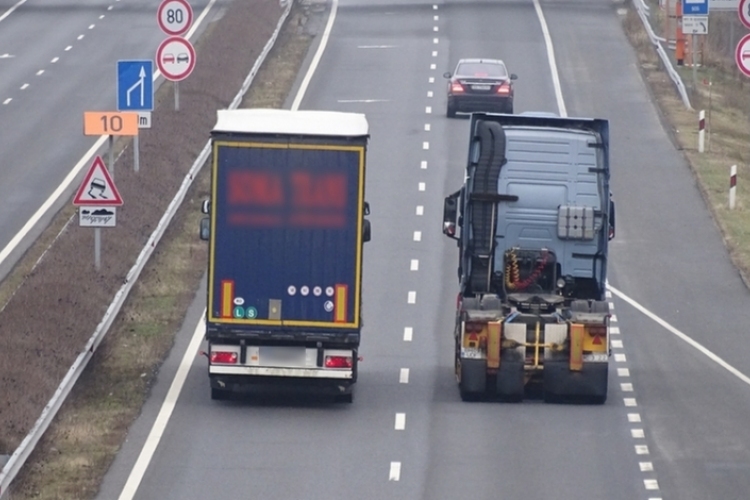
point(286, 227)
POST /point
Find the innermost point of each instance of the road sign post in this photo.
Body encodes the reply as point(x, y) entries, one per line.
point(175, 17)
point(743, 10)
point(742, 55)
point(175, 58)
point(135, 92)
point(97, 199)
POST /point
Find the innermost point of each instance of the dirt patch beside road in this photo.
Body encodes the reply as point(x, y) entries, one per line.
point(55, 310)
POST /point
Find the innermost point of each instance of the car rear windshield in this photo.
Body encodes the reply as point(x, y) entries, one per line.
point(482, 69)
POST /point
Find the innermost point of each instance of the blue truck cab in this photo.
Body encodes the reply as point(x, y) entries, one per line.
point(532, 222)
point(286, 227)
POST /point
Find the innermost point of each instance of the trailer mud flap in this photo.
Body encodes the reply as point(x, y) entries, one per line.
point(588, 385)
point(510, 381)
point(473, 376)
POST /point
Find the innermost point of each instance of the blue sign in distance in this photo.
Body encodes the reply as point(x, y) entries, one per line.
point(695, 7)
point(135, 85)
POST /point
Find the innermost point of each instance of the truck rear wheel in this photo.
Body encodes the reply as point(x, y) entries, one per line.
point(220, 394)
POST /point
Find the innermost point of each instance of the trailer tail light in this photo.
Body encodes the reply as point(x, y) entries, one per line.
point(457, 88)
point(223, 357)
point(338, 361)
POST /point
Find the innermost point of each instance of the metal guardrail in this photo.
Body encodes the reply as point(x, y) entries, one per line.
point(643, 12)
point(21, 454)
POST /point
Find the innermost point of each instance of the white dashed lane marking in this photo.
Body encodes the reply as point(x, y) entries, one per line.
point(630, 402)
point(7, 100)
point(646, 466)
point(420, 210)
point(417, 235)
point(431, 79)
point(422, 186)
point(411, 297)
point(623, 372)
point(641, 449)
point(428, 109)
point(433, 66)
point(24, 86)
point(408, 333)
point(400, 423)
point(425, 145)
point(637, 433)
point(435, 40)
point(620, 358)
point(68, 48)
point(414, 265)
point(634, 418)
point(92, 26)
point(395, 472)
point(40, 72)
point(403, 376)
point(54, 60)
point(423, 165)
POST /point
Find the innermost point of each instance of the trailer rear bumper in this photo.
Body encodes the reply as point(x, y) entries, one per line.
point(561, 381)
point(242, 383)
point(283, 373)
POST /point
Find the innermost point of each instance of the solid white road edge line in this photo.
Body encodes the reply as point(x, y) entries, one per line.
point(551, 59)
point(162, 419)
point(10, 11)
point(316, 58)
point(698, 346)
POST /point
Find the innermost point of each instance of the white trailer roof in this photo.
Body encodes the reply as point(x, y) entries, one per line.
point(284, 121)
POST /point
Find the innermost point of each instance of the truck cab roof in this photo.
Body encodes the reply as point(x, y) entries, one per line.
point(287, 122)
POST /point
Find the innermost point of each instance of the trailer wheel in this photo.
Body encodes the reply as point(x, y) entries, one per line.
point(220, 394)
point(344, 398)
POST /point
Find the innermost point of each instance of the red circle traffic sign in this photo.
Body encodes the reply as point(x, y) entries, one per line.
point(743, 10)
point(174, 16)
point(175, 58)
point(742, 54)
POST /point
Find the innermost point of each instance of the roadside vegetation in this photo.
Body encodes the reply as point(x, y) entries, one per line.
point(722, 91)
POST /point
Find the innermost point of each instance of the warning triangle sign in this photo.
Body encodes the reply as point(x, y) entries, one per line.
point(98, 188)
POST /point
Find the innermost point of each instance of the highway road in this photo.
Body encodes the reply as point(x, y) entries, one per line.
point(674, 426)
point(58, 59)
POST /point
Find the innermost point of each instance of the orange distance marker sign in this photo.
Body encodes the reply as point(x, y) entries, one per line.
point(110, 123)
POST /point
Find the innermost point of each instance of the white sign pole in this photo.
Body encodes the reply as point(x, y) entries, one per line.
point(111, 165)
point(136, 153)
point(176, 96)
point(97, 248)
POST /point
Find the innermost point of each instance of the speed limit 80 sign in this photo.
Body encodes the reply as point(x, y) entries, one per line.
point(175, 17)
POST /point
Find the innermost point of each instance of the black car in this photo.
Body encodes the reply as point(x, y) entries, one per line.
point(480, 85)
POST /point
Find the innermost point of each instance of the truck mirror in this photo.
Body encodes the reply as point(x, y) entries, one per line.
point(611, 219)
point(205, 228)
point(366, 231)
point(450, 215)
point(367, 208)
point(205, 206)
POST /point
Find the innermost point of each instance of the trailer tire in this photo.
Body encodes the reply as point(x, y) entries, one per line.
point(473, 383)
point(344, 398)
point(220, 394)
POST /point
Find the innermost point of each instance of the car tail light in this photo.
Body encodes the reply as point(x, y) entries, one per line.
point(224, 357)
point(503, 89)
point(338, 361)
point(473, 327)
point(457, 87)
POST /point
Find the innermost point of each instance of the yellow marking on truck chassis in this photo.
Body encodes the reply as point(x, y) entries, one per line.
point(494, 330)
point(212, 243)
point(577, 334)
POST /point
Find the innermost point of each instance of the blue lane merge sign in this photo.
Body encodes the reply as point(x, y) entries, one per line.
point(695, 7)
point(135, 85)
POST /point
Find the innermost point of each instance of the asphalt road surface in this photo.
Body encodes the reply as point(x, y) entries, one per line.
point(675, 423)
point(58, 58)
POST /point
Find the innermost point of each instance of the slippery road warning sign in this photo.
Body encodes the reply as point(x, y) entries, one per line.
point(98, 188)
